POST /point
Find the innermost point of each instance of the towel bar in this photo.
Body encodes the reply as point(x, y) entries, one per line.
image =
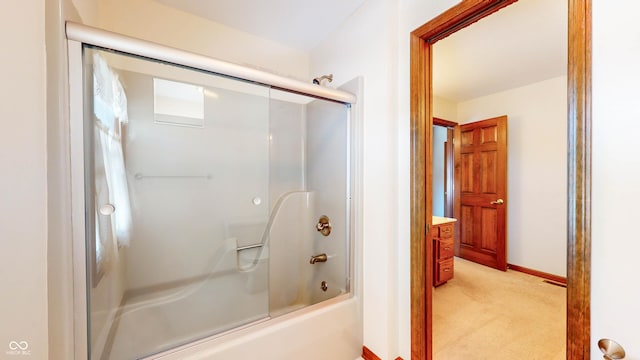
point(246, 247)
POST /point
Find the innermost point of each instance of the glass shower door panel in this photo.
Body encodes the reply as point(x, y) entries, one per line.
point(309, 177)
point(177, 189)
point(328, 174)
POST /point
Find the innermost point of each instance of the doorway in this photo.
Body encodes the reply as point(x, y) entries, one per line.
point(579, 174)
point(442, 167)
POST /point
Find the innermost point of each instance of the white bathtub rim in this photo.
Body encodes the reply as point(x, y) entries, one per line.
point(200, 349)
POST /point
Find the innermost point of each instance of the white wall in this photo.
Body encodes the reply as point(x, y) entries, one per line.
point(445, 109)
point(616, 175)
point(59, 254)
point(23, 184)
point(365, 45)
point(150, 20)
point(88, 11)
point(537, 170)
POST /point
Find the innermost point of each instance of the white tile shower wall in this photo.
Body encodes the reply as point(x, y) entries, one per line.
point(290, 246)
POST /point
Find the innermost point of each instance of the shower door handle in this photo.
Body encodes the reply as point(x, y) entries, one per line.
point(107, 209)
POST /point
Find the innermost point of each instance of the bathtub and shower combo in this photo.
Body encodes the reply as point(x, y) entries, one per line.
point(215, 207)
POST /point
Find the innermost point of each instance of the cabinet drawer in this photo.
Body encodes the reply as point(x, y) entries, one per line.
point(444, 271)
point(445, 248)
point(446, 230)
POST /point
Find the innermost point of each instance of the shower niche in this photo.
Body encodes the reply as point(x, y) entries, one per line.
point(201, 199)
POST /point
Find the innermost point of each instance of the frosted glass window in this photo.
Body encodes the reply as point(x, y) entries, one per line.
point(178, 103)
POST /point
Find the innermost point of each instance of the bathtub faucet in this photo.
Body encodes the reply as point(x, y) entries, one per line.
point(318, 258)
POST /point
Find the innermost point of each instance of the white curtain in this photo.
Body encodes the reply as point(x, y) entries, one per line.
point(110, 108)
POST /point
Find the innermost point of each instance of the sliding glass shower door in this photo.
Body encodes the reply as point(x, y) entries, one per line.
point(177, 199)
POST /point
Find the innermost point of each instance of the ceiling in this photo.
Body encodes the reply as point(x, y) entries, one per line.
point(525, 42)
point(301, 24)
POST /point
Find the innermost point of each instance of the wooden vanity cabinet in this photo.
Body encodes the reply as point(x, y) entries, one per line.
point(442, 235)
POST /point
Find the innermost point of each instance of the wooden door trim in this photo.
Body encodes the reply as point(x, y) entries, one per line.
point(443, 122)
point(579, 178)
point(579, 166)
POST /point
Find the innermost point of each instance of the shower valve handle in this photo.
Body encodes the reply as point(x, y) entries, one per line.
point(324, 225)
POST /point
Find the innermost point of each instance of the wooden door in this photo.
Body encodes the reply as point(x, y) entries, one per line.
point(481, 192)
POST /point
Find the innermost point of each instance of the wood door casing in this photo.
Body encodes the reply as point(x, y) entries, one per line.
point(457, 17)
point(481, 179)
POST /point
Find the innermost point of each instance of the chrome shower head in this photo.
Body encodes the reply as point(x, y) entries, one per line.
point(318, 80)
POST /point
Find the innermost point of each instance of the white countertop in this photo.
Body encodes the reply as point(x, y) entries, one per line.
point(438, 220)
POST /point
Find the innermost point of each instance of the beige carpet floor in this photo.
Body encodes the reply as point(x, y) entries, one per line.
point(488, 314)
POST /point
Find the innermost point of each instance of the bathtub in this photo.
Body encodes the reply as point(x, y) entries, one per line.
point(326, 330)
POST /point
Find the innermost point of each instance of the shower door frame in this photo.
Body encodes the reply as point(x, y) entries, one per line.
point(80, 35)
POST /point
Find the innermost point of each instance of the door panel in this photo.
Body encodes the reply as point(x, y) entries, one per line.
point(489, 134)
point(466, 225)
point(467, 173)
point(488, 229)
point(489, 166)
point(481, 177)
point(467, 138)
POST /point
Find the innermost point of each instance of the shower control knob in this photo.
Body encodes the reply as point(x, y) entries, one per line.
point(324, 225)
